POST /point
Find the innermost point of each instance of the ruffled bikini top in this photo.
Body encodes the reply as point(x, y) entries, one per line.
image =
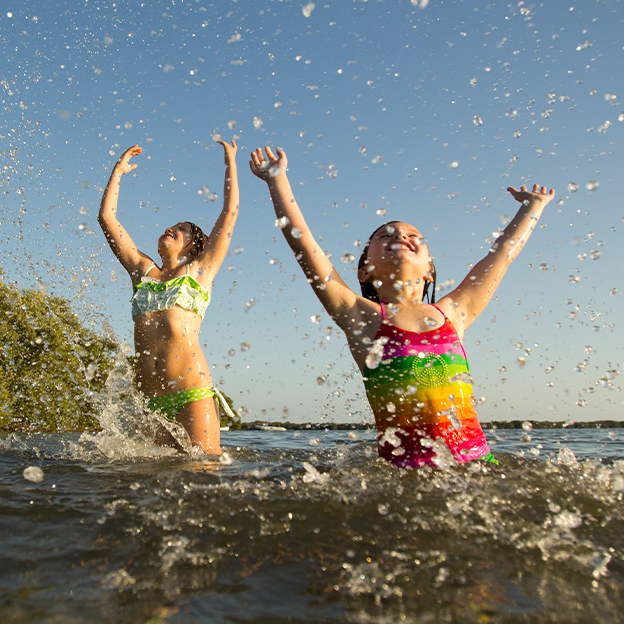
point(184, 291)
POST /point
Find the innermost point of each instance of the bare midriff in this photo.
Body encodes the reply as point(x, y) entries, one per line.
point(169, 358)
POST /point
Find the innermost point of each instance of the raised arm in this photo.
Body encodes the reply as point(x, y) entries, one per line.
point(337, 298)
point(119, 240)
point(212, 257)
point(464, 304)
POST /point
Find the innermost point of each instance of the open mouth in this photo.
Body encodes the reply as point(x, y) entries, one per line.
point(402, 245)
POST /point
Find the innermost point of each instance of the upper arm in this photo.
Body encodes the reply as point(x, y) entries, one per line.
point(464, 304)
point(122, 245)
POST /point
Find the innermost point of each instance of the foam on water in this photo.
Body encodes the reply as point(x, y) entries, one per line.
point(328, 532)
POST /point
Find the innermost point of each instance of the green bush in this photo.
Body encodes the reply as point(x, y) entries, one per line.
point(52, 365)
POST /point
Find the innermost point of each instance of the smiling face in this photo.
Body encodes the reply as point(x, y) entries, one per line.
point(397, 243)
point(395, 248)
point(176, 239)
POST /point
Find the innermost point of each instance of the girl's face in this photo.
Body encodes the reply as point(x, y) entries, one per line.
point(176, 239)
point(398, 244)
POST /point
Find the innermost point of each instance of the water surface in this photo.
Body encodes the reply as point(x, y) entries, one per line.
point(311, 527)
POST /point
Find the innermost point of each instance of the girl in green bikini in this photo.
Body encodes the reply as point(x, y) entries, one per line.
point(168, 306)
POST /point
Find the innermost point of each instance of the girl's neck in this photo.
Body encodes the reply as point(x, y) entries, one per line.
point(405, 295)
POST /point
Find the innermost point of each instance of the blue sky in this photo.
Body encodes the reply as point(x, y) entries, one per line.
point(423, 111)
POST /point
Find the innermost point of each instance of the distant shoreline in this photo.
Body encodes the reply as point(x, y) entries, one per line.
point(265, 425)
point(489, 425)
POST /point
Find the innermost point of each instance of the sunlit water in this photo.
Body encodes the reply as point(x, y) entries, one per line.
point(311, 526)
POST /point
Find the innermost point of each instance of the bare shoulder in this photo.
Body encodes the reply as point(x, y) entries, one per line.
point(452, 310)
point(361, 320)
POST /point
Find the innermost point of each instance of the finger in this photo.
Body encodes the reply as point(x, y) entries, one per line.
point(523, 188)
point(511, 189)
point(269, 153)
point(233, 144)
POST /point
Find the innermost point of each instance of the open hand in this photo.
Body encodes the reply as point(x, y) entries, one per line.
point(537, 194)
point(229, 150)
point(269, 167)
point(123, 165)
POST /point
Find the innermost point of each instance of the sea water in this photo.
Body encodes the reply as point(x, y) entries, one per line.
point(311, 527)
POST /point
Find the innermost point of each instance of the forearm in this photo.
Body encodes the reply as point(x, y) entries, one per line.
point(110, 198)
point(231, 198)
point(518, 231)
point(296, 230)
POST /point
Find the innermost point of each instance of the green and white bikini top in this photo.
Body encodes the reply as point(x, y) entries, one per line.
point(184, 291)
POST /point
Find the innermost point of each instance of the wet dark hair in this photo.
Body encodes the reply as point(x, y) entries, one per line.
point(370, 292)
point(198, 240)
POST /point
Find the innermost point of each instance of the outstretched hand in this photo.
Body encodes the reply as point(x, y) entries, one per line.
point(229, 150)
point(537, 194)
point(123, 165)
point(269, 167)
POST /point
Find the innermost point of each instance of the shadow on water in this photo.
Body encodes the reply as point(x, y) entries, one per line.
point(308, 528)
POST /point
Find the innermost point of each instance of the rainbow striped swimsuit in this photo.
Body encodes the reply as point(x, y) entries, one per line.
point(420, 391)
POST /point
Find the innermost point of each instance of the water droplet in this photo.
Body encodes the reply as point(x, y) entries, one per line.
point(34, 474)
point(348, 258)
point(381, 212)
point(213, 197)
point(373, 359)
point(477, 121)
point(573, 187)
point(203, 190)
point(108, 40)
point(90, 371)
point(521, 362)
point(245, 346)
point(454, 164)
point(257, 123)
point(307, 9)
point(296, 232)
point(525, 438)
point(527, 426)
point(610, 97)
point(282, 222)
point(592, 185)
point(321, 379)
point(239, 250)
point(315, 318)
point(98, 71)
point(168, 68)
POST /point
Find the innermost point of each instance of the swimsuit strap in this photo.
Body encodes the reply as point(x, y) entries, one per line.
point(383, 312)
point(149, 268)
point(438, 309)
point(187, 269)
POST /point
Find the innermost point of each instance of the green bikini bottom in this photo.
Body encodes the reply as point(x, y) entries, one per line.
point(170, 404)
point(489, 458)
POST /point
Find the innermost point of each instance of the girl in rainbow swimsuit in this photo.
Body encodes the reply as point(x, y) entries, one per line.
point(410, 352)
point(168, 305)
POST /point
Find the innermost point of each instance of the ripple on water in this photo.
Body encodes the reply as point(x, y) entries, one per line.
point(327, 532)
